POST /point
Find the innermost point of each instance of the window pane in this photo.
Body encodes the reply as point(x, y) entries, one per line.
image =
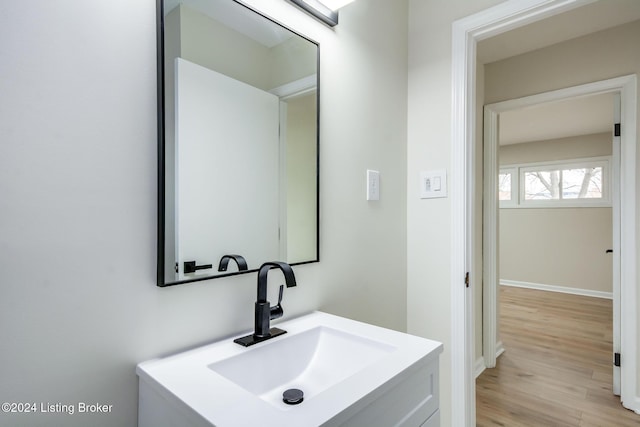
point(504, 186)
point(583, 183)
point(542, 185)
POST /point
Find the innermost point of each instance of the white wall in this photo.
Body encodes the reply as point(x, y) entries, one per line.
point(429, 147)
point(569, 148)
point(559, 247)
point(79, 304)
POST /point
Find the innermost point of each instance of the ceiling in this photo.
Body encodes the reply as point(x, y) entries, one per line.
point(238, 18)
point(560, 119)
point(578, 116)
point(581, 21)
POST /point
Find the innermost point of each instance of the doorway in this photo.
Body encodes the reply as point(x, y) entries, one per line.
point(466, 33)
point(557, 209)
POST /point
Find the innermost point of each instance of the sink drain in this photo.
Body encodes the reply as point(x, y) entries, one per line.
point(293, 396)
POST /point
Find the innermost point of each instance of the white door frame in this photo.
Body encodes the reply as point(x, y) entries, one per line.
point(285, 92)
point(617, 234)
point(617, 228)
point(466, 33)
point(624, 88)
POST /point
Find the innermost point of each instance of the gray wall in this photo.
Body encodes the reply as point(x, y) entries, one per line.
point(79, 306)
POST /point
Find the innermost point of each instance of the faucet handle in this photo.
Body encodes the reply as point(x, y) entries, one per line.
point(277, 311)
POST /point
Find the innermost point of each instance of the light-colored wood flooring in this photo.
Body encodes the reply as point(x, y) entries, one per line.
point(557, 366)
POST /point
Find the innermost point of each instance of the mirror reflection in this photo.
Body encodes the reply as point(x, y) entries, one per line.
point(240, 142)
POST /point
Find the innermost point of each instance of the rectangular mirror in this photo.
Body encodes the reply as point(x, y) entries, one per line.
point(238, 140)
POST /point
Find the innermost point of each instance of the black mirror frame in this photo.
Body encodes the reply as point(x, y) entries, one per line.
point(161, 282)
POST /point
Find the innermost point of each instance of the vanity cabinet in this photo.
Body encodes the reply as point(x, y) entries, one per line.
point(352, 374)
point(409, 403)
point(433, 421)
point(413, 401)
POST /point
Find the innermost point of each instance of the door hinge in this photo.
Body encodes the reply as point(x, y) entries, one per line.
point(466, 279)
point(616, 129)
point(616, 359)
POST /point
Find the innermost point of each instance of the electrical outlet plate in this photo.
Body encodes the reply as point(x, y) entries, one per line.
point(433, 184)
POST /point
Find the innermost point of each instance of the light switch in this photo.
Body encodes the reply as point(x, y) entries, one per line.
point(433, 184)
point(437, 183)
point(373, 185)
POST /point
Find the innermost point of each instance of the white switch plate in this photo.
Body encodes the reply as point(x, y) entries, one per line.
point(373, 185)
point(433, 184)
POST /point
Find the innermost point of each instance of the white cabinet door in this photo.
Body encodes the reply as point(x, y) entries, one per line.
point(433, 421)
point(225, 128)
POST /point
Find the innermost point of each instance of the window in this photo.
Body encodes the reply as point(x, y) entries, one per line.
point(541, 185)
point(555, 184)
point(582, 183)
point(507, 187)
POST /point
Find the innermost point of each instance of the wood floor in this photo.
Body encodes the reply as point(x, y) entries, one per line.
point(557, 366)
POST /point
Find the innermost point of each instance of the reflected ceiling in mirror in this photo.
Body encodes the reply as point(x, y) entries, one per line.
point(238, 142)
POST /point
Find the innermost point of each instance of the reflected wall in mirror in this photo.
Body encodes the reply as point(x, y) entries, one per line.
point(238, 141)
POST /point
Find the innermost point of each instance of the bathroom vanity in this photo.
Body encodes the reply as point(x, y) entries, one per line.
point(347, 373)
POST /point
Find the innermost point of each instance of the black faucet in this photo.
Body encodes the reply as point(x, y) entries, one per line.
point(263, 311)
point(239, 259)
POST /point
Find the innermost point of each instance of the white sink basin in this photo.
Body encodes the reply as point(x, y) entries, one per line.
point(311, 361)
point(341, 365)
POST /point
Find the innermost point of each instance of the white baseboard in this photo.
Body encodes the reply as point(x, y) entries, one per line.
point(555, 288)
point(479, 366)
point(634, 405)
point(499, 349)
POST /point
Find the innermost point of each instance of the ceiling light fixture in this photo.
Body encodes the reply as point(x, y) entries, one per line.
point(325, 10)
point(335, 4)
